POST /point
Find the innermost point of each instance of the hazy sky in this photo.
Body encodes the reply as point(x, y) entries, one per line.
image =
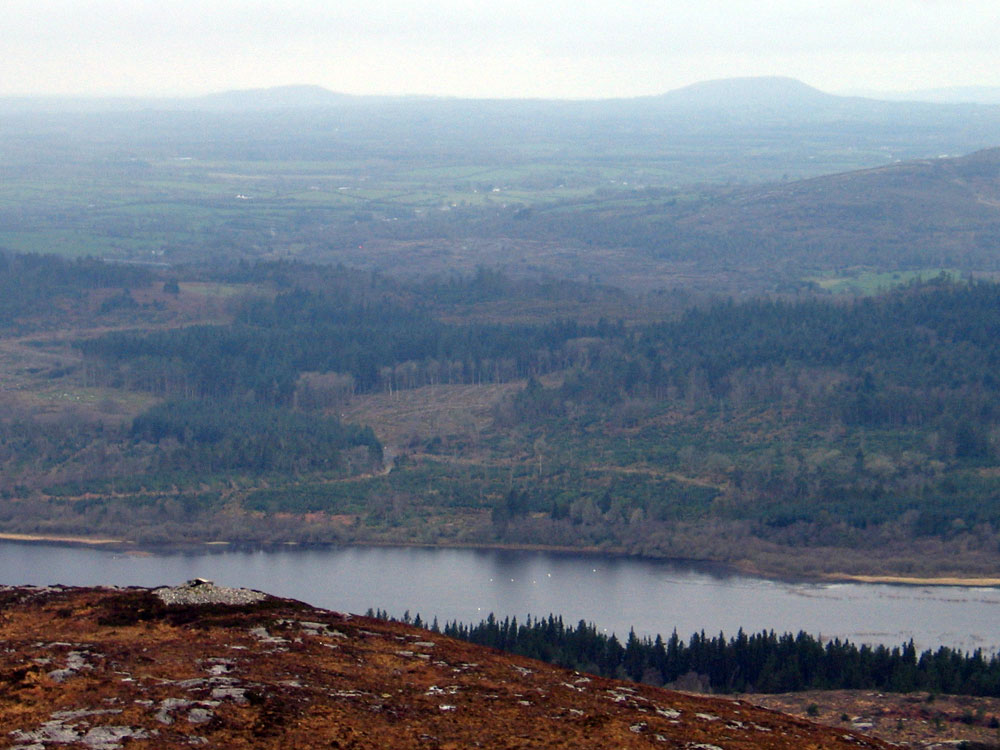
point(497, 48)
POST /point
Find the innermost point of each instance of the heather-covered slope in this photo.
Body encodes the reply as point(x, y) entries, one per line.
point(107, 668)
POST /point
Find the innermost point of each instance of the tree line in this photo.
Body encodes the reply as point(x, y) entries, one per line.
point(757, 662)
point(30, 283)
point(207, 437)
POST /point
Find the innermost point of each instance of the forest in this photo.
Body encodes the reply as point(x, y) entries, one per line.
point(913, 369)
point(189, 403)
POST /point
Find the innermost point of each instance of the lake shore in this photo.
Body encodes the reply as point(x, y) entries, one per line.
point(61, 539)
point(972, 582)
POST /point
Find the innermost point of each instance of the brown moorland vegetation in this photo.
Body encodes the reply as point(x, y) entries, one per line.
point(114, 667)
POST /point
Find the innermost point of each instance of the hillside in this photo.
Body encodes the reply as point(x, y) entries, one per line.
point(756, 98)
point(917, 214)
point(107, 668)
point(815, 437)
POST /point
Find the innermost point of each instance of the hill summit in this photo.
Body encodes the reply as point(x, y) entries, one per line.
point(203, 665)
point(736, 92)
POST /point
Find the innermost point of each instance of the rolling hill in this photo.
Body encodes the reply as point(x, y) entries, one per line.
point(925, 213)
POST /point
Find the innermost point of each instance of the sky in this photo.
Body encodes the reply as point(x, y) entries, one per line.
point(492, 49)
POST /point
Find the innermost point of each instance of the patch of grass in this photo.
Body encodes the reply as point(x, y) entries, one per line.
point(868, 282)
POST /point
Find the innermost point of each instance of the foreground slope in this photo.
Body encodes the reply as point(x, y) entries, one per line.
point(103, 668)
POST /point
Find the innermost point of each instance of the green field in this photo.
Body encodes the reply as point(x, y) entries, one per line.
point(867, 282)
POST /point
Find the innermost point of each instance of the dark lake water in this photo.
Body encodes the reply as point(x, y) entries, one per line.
point(614, 593)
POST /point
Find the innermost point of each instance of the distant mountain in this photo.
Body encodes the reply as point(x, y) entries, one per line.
point(787, 101)
point(739, 96)
point(763, 92)
point(949, 95)
point(279, 97)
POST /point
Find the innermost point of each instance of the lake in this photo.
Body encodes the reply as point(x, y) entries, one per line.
point(614, 593)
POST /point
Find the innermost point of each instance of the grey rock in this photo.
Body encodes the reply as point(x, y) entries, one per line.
point(200, 715)
point(200, 591)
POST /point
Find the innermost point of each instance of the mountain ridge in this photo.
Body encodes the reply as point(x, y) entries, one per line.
point(767, 93)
